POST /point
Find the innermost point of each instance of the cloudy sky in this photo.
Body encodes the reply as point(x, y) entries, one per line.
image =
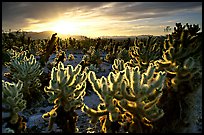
point(95, 19)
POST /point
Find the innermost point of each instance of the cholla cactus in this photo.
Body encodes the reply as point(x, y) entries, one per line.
point(7, 55)
point(27, 70)
point(84, 50)
point(85, 57)
point(181, 47)
point(92, 67)
point(32, 47)
point(71, 57)
point(13, 103)
point(52, 45)
point(181, 83)
point(107, 111)
point(94, 56)
point(61, 56)
point(66, 90)
point(118, 65)
point(124, 55)
point(127, 93)
point(112, 54)
point(179, 50)
point(110, 57)
point(184, 74)
point(145, 51)
point(190, 69)
point(141, 96)
point(182, 44)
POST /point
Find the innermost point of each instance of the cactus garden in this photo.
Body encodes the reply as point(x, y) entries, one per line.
point(140, 85)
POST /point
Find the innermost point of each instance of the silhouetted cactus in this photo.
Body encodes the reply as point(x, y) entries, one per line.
point(52, 45)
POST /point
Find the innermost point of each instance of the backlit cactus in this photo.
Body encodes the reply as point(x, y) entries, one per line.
point(112, 52)
point(181, 46)
point(118, 65)
point(28, 70)
point(185, 73)
point(127, 93)
point(142, 93)
point(61, 56)
point(124, 55)
point(145, 51)
point(92, 56)
point(13, 103)
point(70, 57)
point(181, 61)
point(107, 111)
point(179, 50)
point(66, 90)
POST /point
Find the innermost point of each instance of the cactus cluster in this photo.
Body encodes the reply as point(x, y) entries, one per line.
point(61, 56)
point(66, 90)
point(13, 103)
point(110, 57)
point(124, 55)
point(145, 51)
point(28, 70)
point(127, 93)
point(92, 67)
point(184, 74)
point(118, 65)
point(182, 54)
point(149, 88)
point(181, 61)
point(142, 94)
point(32, 46)
point(93, 56)
point(112, 53)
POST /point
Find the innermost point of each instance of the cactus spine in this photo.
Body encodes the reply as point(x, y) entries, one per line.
point(66, 90)
point(28, 71)
point(127, 93)
point(13, 103)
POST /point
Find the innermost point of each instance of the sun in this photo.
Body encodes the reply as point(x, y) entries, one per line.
point(65, 27)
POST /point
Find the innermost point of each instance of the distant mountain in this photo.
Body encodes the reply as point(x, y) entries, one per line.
point(48, 35)
point(40, 35)
point(125, 37)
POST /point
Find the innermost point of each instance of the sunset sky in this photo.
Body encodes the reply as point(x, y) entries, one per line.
point(95, 19)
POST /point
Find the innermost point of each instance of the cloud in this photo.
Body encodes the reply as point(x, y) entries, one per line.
point(104, 16)
point(32, 21)
point(143, 10)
